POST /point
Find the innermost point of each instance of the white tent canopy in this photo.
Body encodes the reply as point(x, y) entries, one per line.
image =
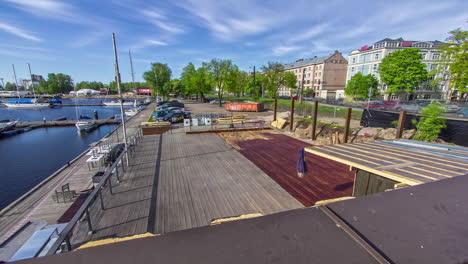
point(86, 92)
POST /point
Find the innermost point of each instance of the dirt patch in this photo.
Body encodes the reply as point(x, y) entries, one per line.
point(233, 138)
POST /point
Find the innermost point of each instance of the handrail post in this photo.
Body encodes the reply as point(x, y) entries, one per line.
point(110, 184)
point(88, 220)
point(102, 200)
point(117, 172)
point(67, 242)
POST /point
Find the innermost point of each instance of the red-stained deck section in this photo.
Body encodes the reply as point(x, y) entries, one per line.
point(277, 157)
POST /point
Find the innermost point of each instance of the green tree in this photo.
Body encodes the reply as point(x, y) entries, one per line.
point(10, 86)
point(455, 58)
point(237, 82)
point(157, 77)
point(89, 85)
point(254, 88)
point(430, 124)
point(196, 81)
point(358, 86)
point(273, 80)
point(219, 71)
point(308, 92)
point(403, 70)
point(56, 83)
point(177, 87)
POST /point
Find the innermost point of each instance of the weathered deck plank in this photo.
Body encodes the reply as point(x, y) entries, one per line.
point(202, 178)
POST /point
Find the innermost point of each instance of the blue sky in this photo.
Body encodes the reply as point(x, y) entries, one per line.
point(75, 36)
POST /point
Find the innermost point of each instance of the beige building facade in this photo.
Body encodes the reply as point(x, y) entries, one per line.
point(326, 76)
point(367, 61)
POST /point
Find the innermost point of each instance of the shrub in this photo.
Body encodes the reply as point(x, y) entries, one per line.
point(430, 124)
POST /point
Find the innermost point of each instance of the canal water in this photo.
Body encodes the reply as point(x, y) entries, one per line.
point(28, 158)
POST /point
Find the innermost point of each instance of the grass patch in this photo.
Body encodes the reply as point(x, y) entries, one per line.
point(340, 111)
point(150, 119)
point(309, 120)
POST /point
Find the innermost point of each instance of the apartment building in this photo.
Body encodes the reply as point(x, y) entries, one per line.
point(367, 59)
point(325, 75)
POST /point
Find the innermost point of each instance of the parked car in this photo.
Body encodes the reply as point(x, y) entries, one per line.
point(451, 108)
point(407, 106)
point(390, 103)
point(374, 105)
point(170, 104)
point(216, 101)
point(463, 112)
point(161, 103)
point(181, 97)
point(174, 117)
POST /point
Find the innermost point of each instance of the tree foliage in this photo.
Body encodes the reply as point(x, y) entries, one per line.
point(196, 81)
point(219, 71)
point(358, 86)
point(403, 70)
point(157, 77)
point(89, 85)
point(455, 56)
point(430, 124)
point(273, 80)
point(126, 86)
point(237, 81)
point(10, 86)
point(56, 83)
point(254, 88)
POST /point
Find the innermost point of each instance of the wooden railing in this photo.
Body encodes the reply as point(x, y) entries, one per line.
point(96, 194)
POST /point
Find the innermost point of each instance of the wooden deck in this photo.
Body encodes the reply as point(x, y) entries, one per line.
point(276, 154)
point(405, 161)
point(38, 204)
point(202, 178)
point(178, 181)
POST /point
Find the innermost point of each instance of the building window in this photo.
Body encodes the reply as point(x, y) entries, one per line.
point(376, 56)
point(308, 81)
point(352, 69)
point(308, 75)
point(375, 67)
point(436, 56)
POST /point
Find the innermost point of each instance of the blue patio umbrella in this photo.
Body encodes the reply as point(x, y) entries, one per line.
point(301, 165)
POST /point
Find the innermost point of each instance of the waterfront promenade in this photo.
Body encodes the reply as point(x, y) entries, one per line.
point(38, 205)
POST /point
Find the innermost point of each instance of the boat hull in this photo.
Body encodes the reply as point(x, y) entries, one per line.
point(85, 125)
point(33, 105)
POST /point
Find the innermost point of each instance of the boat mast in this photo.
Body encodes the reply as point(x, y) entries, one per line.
point(117, 80)
point(16, 82)
point(131, 66)
point(32, 82)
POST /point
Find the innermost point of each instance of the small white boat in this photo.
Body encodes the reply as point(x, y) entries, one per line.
point(26, 103)
point(117, 103)
point(85, 125)
point(132, 112)
point(4, 126)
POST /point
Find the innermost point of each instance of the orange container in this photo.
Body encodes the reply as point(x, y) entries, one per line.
point(245, 107)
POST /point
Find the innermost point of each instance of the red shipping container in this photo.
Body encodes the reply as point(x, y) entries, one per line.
point(245, 107)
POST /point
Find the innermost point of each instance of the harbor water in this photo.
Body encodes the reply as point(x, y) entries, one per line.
point(28, 158)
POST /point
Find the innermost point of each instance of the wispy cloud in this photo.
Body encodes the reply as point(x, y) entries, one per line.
point(18, 32)
point(310, 33)
point(231, 19)
point(148, 43)
point(283, 50)
point(160, 19)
